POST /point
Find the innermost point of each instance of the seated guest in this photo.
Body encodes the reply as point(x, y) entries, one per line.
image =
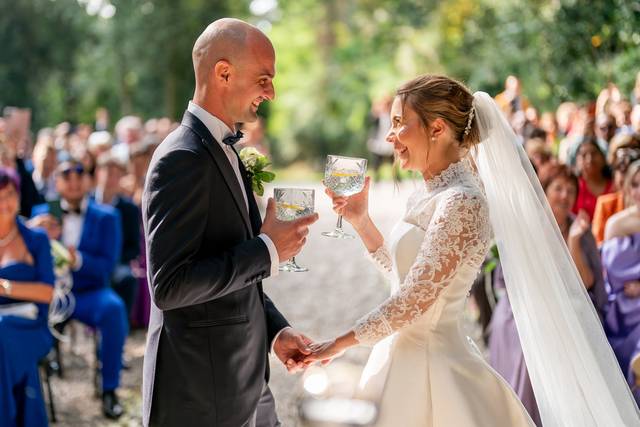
point(108, 175)
point(624, 150)
point(605, 127)
point(621, 260)
point(132, 185)
point(561, 188)
point(538, 152)
point(139, 157)
point(593, 178)
point(142, 308)
point(92, 234)
point(26, 276)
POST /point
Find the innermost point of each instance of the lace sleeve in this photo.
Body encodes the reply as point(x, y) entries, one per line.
point(456, 234)
point(381, 258)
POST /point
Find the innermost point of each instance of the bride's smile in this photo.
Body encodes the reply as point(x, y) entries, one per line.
point(407, 136)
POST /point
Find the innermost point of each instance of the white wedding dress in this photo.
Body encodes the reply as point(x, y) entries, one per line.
point(423, 370)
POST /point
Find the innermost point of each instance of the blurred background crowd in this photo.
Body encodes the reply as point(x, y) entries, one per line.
point(84, 111)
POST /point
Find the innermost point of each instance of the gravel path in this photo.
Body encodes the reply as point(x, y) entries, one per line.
point(340, 287)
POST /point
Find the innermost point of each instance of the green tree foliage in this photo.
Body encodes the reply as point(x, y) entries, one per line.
point(333, 57)
point(562, 49)
point(38, 42)
point(64, 63)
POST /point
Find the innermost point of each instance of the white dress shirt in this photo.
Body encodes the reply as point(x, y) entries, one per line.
point(219, 130)
point(72, 226)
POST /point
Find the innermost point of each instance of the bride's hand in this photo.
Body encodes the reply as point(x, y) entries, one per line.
point(355, 208)
point(324, 352)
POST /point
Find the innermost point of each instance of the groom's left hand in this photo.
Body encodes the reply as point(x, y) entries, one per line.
point(292, 347)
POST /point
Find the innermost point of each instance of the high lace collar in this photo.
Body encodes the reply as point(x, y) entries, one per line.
point(461, 172)
point(454, 172)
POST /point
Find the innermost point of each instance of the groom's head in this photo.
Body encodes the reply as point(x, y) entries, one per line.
point(234, 64)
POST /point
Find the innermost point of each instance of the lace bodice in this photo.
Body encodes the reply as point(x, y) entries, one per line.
point(452, 210)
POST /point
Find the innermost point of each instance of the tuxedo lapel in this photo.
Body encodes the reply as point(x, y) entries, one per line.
point(254, 212)
point(221, 160)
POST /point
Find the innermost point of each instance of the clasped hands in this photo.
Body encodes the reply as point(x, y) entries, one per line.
point(297, 351)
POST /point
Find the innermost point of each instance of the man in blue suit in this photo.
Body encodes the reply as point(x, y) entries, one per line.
point(92, 233)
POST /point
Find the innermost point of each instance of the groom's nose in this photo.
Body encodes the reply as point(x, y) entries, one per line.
point(270, 92)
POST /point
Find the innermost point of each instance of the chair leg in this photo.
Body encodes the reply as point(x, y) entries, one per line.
point(59, 369)
point(60, 366)
point(47, 381)
point(97, 380)
point(52, 407)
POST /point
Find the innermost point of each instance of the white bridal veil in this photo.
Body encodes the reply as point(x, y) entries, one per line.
point(575, 376)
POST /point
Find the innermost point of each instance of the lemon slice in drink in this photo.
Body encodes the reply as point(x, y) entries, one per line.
point(297, 208)
point(344, 174)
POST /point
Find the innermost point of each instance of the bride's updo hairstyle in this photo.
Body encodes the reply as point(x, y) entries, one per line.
point(433, 96)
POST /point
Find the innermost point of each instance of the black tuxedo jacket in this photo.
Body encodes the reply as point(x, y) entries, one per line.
point(211, 324)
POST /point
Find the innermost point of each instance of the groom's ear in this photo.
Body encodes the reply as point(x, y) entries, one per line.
point(221, 71)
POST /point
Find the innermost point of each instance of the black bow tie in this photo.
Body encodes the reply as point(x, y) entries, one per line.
point(232, 139)
point(77, 211)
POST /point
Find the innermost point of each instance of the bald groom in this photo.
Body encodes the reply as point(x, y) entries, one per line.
point(212, 326)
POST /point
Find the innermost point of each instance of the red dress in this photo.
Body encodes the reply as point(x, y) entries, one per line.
point(587, 200)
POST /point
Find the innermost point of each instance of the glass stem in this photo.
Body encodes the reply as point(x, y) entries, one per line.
point(292, 260)
point(339, 224)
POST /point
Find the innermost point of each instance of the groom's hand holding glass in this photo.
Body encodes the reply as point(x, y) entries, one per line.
point(290, 346)
point(288, 236)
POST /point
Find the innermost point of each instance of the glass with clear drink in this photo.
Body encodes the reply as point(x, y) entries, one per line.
point(292, 204)
point(345, 177)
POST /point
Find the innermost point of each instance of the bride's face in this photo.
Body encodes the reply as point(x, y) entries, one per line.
point(408, 136)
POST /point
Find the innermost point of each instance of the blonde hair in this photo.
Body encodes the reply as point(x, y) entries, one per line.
point(434, 96)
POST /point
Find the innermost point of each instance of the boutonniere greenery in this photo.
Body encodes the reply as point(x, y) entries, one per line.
point(255, 163)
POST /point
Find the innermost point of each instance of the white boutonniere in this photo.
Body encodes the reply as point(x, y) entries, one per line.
point(255, 163)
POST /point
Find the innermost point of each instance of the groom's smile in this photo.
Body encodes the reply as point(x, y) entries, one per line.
point(255, 104)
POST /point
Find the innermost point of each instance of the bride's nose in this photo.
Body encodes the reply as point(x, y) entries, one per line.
point(391, 137)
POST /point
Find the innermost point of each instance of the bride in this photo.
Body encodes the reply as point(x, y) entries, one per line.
point(477, 183)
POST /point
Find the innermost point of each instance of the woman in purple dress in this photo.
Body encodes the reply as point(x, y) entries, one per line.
point(505, 354)
point(621, 260)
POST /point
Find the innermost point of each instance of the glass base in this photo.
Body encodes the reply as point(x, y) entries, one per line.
point(338, 233)
point(291, 266)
